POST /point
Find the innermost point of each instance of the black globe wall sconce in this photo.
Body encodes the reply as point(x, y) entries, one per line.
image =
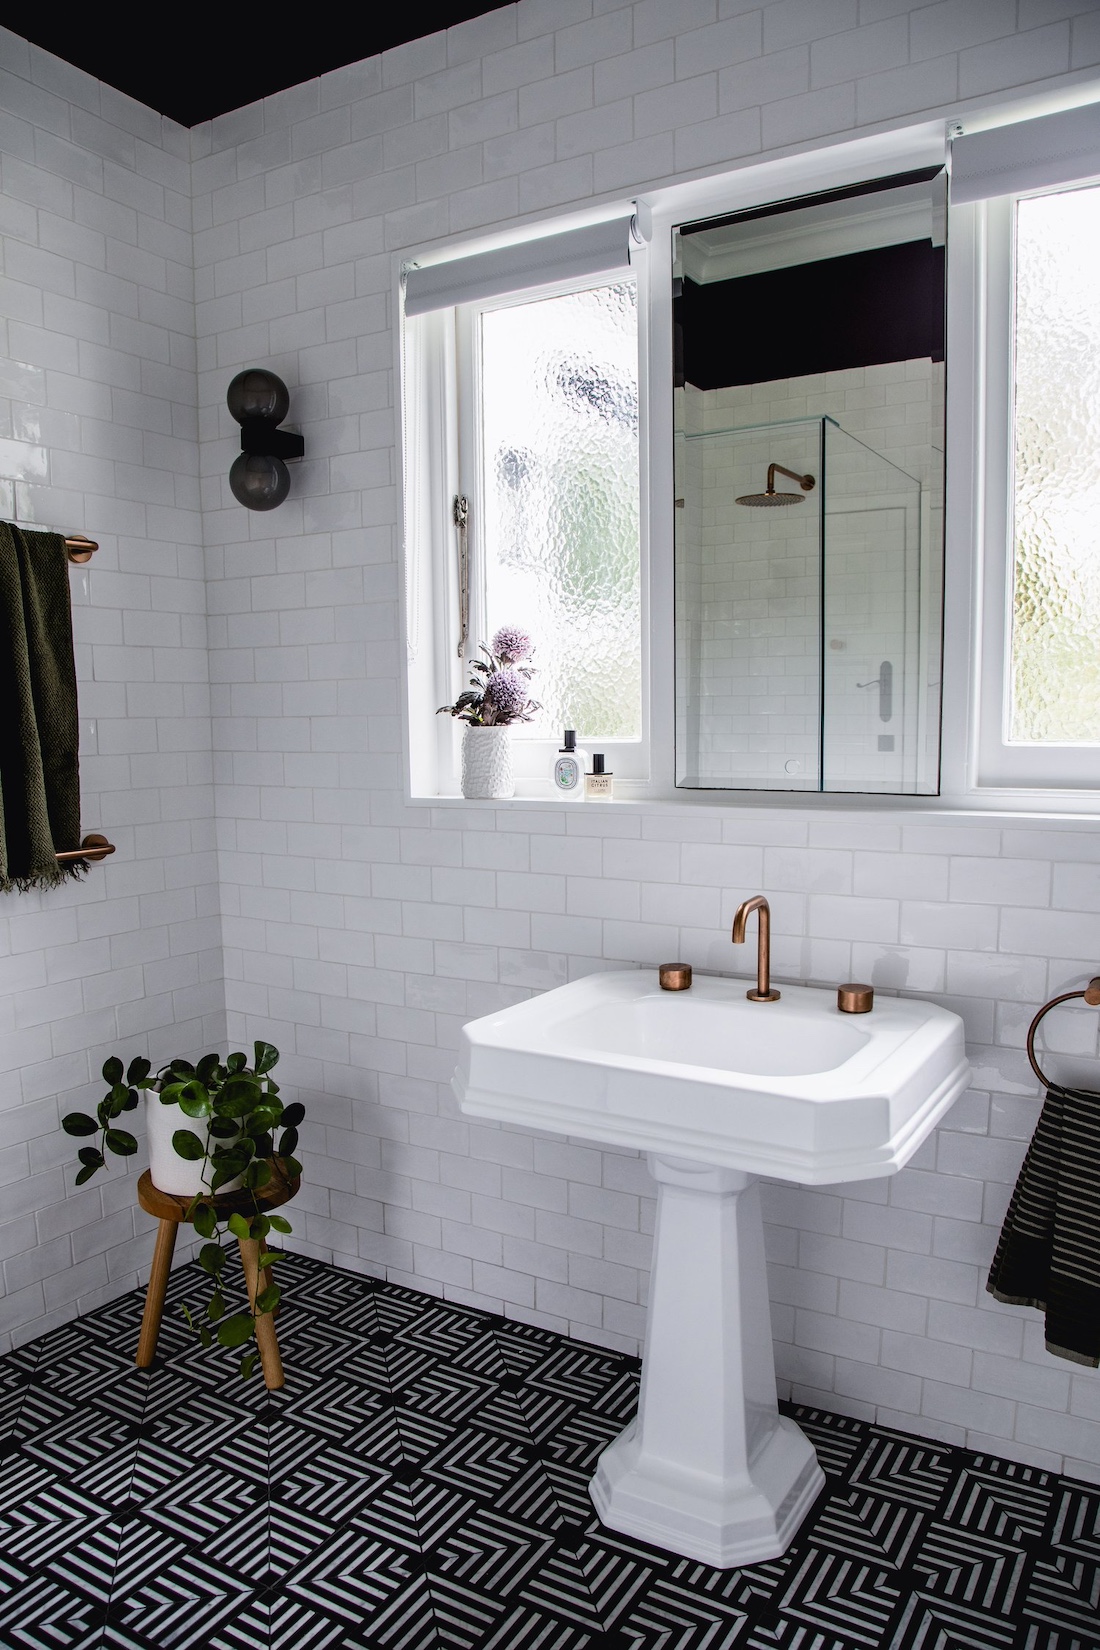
point(259, 401)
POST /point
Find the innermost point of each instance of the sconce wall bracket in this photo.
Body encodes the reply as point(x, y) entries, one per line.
point(259, 436)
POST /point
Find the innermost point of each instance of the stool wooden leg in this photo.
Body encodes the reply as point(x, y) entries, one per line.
point(270, 1359)
point(154, 1295)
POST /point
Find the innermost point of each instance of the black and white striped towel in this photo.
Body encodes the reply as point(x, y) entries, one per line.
point(1049, 1251)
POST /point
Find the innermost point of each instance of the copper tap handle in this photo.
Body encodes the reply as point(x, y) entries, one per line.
point(1091, 995)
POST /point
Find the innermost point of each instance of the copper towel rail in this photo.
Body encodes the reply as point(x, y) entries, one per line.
point(93, 847)
point(79, 548)
point(1091, 995)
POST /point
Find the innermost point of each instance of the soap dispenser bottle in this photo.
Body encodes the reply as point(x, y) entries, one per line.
point(568, 770)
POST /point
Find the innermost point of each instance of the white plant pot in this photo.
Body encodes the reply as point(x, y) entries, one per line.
point(487, 762)
point(180, 1176)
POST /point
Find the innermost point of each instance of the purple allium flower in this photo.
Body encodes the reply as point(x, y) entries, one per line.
point(506, 695)
point(511, 644)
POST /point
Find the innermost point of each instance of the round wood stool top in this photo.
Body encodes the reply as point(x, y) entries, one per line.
point(168, 1206)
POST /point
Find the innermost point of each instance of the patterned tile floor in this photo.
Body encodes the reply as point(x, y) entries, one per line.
point(419, 1484)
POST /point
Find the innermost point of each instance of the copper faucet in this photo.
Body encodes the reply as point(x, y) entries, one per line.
point(763, 992)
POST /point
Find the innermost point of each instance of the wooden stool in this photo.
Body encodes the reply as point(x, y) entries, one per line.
point(170, 1210)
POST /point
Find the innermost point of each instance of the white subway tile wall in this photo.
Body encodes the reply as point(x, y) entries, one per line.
point(99, 433)
point(359, 931)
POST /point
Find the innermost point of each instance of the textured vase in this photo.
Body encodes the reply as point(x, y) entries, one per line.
point(181, 1176)
point(487, 763)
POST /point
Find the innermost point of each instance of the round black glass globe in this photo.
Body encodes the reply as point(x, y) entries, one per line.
point(256, 393)
point(258, 482)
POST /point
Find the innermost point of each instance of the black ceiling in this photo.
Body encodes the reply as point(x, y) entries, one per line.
point(203, 61)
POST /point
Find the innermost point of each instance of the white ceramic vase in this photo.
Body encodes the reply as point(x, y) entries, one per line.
point(487, 762)
point(180, 1176)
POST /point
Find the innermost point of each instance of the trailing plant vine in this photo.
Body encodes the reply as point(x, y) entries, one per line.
point(247, 1129)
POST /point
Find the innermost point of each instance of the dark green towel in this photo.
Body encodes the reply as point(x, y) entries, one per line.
point(39, 733)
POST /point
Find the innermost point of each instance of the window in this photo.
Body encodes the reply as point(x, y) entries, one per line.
point(1039, 686)
point(524, 404)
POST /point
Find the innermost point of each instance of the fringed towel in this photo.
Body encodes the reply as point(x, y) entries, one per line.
point(1049, 1251)
point(39, 775)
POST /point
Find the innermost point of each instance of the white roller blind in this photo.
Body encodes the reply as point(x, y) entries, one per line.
point(597, 249)
point(1032, 154)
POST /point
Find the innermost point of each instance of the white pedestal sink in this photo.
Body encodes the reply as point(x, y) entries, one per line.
point(717, 1091)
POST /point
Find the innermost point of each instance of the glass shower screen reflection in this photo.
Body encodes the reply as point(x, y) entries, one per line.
point(800, 659)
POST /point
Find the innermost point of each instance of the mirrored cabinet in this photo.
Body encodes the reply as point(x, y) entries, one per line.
point(809, 416)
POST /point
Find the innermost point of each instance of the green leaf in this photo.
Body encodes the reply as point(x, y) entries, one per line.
point(212, 1258)
point(205, 1220)
point(132, 1098)
point(272, 1085)
point(121, 1143)
point(268, 1299)
point(181, 1068)
point(186, 1310)
point(269, 1256)
point(215, 1306)
point(188, 1145)
point(292, 1167)
point(267, 1055)
point(288, 1142)
point(78, 1123)
point(293, 1114)
point(258, 1227)
point(194, 1100)
point(206, 1067)
point(205, 1337)
point(257, 1175)
point(248, 1364)
point(85, 1174)
point(103, 1111)
point(170, 1094)
point(238, 1225)
point(112, 1070)
point(235, 1330)
point(138, 1070)
point(224, 1128)
point(236, 1062)
point(92, 1158)
point(262, 1119)
point(279, 1223)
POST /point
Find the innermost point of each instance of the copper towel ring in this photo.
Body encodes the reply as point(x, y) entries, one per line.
point(1091, 994)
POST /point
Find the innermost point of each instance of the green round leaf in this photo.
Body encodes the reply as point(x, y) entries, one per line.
point(138, 1070)
point(206, 1068)
point(85, 1174)
point(236, 1062)
point(205, 1220)
point(132, 1098)
point(212, 1258)
point(292, 1167)
point(121, 1143)
point(224, 1128)
point(258, 1226)
point(248, 1364)
point(194, 1100)
point(267, 1055)
point(268, 1299)
point(288, 1142)
point(181, 1068)
point(215, 1306)
point(279, 1223)
point(262, 1119)
point(205, 1337)
point(170, 1094)
point(92, 1158)
point(77, 1123)
point(187, 1145)
point(257, 1175)
point(293, 1114)
point(238, 1225)
point(235, 1330)
point(112, 1070)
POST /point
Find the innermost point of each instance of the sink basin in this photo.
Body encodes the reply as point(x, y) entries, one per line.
point(716, 1090)
point(793, 1089)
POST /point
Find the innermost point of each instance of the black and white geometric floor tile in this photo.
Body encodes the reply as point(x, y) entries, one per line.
point(420, 1484)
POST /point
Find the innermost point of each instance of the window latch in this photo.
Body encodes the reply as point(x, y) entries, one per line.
point(461, 514)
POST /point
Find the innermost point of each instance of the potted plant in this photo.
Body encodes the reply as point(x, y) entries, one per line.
point(497, 696)
point(212, 1128)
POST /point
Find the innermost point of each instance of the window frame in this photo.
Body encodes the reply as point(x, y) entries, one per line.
point(999, 762)
point(532, 758)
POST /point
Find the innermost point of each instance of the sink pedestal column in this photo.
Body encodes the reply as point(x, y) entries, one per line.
point(709, 1468)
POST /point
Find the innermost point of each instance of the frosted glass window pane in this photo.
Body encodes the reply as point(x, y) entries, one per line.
point(1055, 669)
point(559, 381)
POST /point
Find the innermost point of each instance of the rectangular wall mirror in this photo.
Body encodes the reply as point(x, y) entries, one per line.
point(809, 492)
